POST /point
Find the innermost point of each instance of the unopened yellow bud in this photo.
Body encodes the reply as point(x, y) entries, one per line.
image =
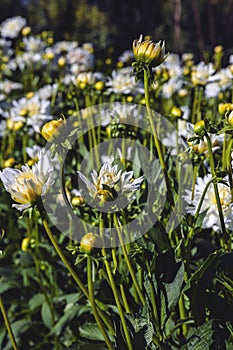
point(225, 107)
point(50, 130)
point(8, 163)
point(99, 85)
point(88, 243)
point(14, 126)
point(30, 94)
point(176, 112)
point(149, 52)
point(49, 56)
point(218, 49)
point(120, 64)
point(77, 201)
point(230, 118)
point(129, 99)
point(25, 244)
point(26, 31)
point(61, 61)
point(200, 128)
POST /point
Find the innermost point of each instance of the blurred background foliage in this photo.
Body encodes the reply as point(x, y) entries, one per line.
point(187, 26)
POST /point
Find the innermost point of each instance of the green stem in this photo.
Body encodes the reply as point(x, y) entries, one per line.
point(155, 136)
point(69, 267)
point(228, 164)
point(191, 232)
point(7, 324)
point(220, 212)
point(128, 262)
point(183, 315)
point(115, 293)
point(118, 304)
point(93, 304)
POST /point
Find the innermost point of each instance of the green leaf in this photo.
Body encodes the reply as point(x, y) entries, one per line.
point(174, 288)
point(72, 311)
point(201, 338)
point(7, 285)
point(202, 270)
point(91, 331)
point(36, 301)
point(46, 315)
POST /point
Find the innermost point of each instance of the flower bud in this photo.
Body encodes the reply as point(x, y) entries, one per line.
point(26, 31)
point(88, 242)
point(99, 85)
point(176, 112)
point(50, 130)
point(25, 244)
point(9, 162)
point(148, 52)
point(61, 62)
point(77, 201)
point(200, 128)
point(230, 118)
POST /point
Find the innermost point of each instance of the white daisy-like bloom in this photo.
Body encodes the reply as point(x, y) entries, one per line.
point(33, 44)
point(33, 152)
point(7, 86)
point(202, 73)
point(33, 112)
point(172, 86)
point(126, 57)
point(26, 59)
point(212, 90)
point(111, 181)
point(173, 65)
point(122, 82)
point(211, 219)
point(124, 112)
point(28, 185)
point(11, 27)
point(62, 47)
point(80, 60)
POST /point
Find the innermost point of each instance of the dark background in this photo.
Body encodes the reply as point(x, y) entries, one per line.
point(186, 25)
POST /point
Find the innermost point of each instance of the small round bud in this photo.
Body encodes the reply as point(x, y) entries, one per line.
point(50, 130)
point(99, 85)
point(230, 118)
point(200, 128)
point(218, 49)
point(9, 162)
point(25, 244)
point(61, 62)
point(88, 243)
point(77, 201)
point(176, 112)
point(26, 31)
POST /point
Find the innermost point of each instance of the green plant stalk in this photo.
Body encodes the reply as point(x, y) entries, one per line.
point(118, 304)
point(69, 267)
point(115, 293)
point(155, 136)
point(183, 315)
point(124, 298)
point(228, 164)
point(8, 325)
point(221, 217)
point(191, 232)
point(93, 304)
point(128, 262)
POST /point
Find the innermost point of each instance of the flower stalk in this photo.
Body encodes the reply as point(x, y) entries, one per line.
point(8, 325)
